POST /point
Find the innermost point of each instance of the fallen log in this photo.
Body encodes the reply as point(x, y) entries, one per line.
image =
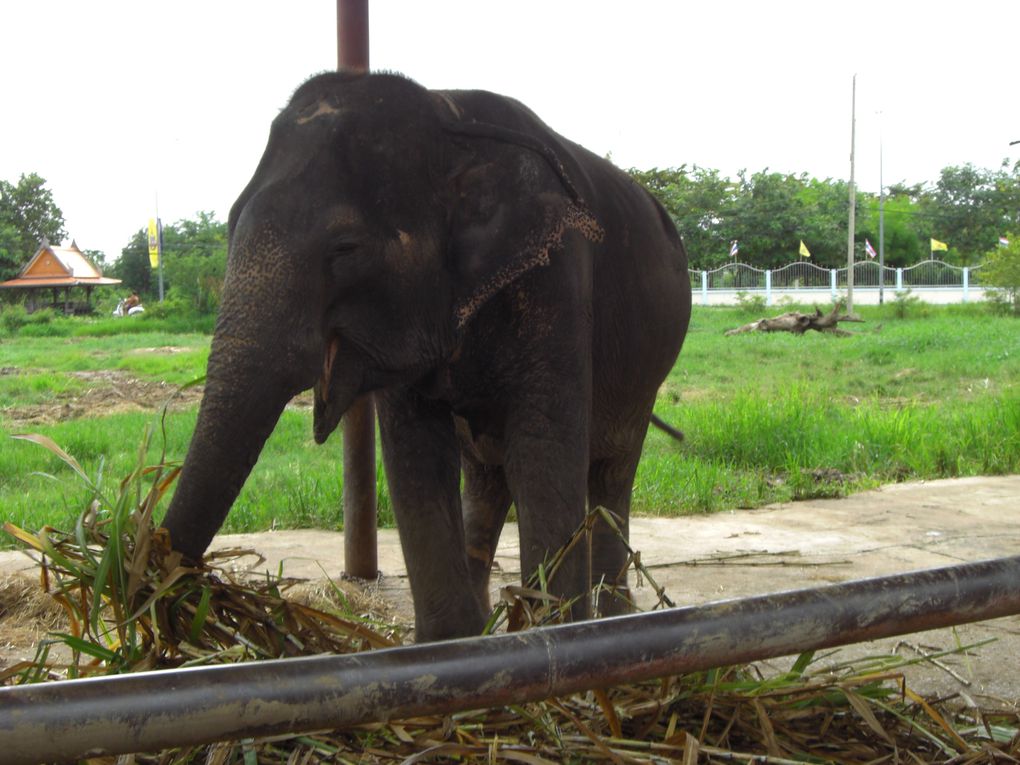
point(798, 323)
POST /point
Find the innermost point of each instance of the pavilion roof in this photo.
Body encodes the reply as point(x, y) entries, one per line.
point(58, 267)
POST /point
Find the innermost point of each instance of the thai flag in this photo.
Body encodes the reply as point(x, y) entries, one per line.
point(734, 249)
point(869, 249)
point(1003, 241)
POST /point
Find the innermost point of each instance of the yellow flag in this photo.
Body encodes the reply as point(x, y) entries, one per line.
point(804, 250)
point(937, 245)
point(153, 243)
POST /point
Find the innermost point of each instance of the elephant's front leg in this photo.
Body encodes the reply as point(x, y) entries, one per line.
point(423, 473)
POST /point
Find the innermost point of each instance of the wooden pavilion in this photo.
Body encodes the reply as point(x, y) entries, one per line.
point(58, 270)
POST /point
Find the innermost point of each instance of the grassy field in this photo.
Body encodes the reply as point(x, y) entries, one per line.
point(767, 417)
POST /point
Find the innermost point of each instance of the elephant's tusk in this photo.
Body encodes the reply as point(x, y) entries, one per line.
point(327, 367)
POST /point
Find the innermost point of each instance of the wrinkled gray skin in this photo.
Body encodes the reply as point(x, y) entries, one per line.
point(512, 300)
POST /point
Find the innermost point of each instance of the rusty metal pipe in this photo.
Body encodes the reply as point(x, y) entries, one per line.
point(352, 34)
point(152, 710)
point(361, 544)
point(361, 537)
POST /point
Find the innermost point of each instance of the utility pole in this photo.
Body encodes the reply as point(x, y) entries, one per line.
point(853, 205)
point(881, 221)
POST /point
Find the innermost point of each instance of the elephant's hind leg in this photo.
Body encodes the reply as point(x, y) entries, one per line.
point(609, 485)
point(486, 502)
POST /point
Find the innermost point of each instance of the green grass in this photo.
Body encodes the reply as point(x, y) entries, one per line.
point(774, 417)
point(767, 417)
point(44, 364)
point(295, 484)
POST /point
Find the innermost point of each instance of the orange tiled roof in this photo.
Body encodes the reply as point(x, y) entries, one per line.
point(58, 267)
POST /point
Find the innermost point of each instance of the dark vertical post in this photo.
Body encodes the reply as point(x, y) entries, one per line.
point(360, 546)
point(352, 34)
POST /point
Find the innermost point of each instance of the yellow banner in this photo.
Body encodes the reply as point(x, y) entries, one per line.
point(937, 245)
point(153, 243)
point(804, 250)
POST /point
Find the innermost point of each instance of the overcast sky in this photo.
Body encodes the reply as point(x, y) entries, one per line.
point(120, 104)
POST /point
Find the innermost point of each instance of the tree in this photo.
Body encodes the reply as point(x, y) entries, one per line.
point(965, 210)
point(824, 216)
point(696, 199)
point(1001, 270)
point(132, 267)
point(903, 246)
point(97, 258)
point(194, 262)
point(767, 217)
point(28, 215)
point(768, 213)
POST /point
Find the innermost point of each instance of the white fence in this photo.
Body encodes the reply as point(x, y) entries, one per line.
point(935, 281)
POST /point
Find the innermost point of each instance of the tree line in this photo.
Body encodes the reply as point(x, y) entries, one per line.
point(767, 214)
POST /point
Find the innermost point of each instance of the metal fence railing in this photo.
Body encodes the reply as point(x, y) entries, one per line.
point(804, 277)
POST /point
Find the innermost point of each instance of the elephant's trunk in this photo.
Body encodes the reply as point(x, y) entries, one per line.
point(262, 354)
point(240, 408)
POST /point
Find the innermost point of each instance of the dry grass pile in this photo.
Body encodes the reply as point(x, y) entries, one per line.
point(130, 604)
point(27, 613)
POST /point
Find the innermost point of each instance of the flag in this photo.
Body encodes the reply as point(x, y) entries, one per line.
point(153, 243)
point(804, 250)
point(937, 245)
point(869, 249)
point(1003, 241)
point(734, 249)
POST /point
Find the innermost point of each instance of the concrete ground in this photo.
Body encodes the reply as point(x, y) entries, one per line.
point(699, 559)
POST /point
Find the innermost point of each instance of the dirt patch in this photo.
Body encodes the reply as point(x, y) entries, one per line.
point(107, 391)
point(112, 391)
point(162, 349)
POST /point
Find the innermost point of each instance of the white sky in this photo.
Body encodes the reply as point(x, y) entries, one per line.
point(117, 104)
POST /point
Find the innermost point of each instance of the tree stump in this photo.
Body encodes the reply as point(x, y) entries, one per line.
point(799, 323)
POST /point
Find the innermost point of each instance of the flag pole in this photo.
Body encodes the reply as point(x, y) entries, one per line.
point(159, 248)
point(853, 204)
point(881, 221)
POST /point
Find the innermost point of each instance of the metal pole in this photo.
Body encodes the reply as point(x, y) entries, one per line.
point(159, 251)
point(148, 711)
point(853, 206)
point(361, 556)
point(352, 34)
point(361, 546)
point(881, 223)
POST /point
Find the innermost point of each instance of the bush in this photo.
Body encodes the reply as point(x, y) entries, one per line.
point(1001, 271)
point(13, 318)
point(16, 320)
point(172, 307)
point(751, 304)
point(903, 302)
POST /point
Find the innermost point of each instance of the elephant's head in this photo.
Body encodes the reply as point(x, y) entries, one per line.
point(380, 218)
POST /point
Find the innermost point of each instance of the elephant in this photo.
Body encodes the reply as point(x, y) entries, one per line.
point(510, 300)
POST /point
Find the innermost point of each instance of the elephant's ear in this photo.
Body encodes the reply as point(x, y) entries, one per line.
point(513, 207)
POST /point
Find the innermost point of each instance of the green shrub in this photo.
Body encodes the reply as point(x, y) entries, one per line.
point(904, 302)
point(173, 306)
point(13, 318)
point(16, 320)
point(1001, 272)
point(751, 303)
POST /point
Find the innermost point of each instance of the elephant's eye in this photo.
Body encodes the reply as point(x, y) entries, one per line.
point(342, 249)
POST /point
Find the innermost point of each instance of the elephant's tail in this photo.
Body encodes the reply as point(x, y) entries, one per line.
point(667, 428)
